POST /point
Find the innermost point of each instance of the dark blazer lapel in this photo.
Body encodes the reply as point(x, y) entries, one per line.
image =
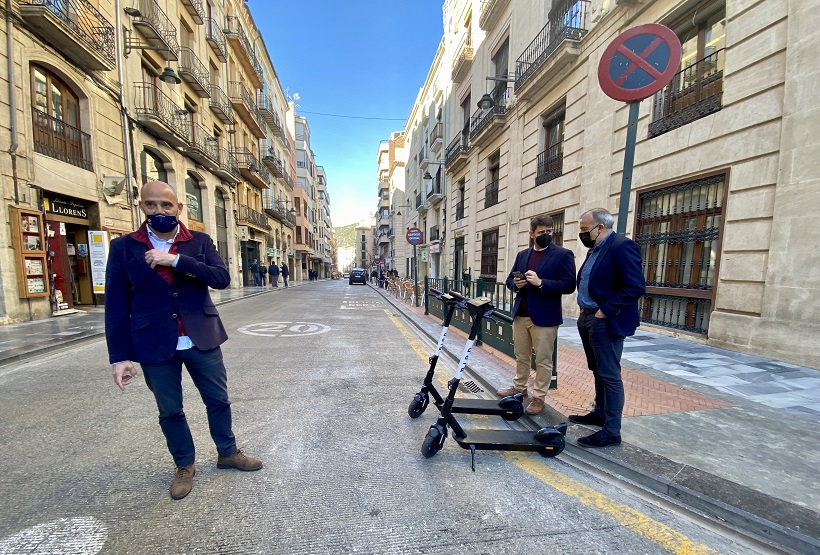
point(603, 254)
point(544, 259)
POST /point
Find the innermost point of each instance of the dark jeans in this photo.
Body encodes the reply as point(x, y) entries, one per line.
point(263, 278)
point(256, 280)
point(208, 373)
point(285, 279)
point(603, 352)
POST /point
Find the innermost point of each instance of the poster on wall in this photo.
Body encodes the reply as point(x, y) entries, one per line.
point(98, 256)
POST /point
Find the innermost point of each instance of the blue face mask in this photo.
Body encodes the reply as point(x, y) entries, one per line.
point(162, 223)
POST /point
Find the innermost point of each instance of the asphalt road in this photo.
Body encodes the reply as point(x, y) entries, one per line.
point(320, 378)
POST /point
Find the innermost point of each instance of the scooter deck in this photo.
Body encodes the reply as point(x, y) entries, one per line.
point(479, 406)
point(504, 440)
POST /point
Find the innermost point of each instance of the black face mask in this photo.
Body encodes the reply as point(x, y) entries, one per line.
point(543, 240)
point(587, 239)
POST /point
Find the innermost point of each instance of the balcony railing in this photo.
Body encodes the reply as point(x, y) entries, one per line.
point(252, 66)
point(194, 8)
point(274, 163)
point(248, 216)
point(460, 210)
point(221, 106)
point(459, 145)
point(194, 72)
point(250, 168)
point(694, 92)
point(550, 164)
point(418, 200)
point(567, 22)
point(463, 58)
point(56, 139)
point(268, 111)
point(203, 146)
point(157, 28)
point(216, 38)
point(85, 24)
point(437, 135)
point(159, 112)
point(481, 117)
point(243, 102)
point(227, 168)
point(434, 235)
point(491, 194)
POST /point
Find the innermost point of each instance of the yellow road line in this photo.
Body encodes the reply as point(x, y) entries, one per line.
point(651, 529)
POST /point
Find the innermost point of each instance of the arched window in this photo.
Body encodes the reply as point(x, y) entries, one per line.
point(153, 167)
point(193, 197)
point(56, 116)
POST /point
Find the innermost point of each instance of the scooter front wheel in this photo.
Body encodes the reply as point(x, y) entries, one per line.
point(433, 442)
point(418, 405)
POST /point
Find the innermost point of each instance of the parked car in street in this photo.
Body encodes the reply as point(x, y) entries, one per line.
point(357, 275)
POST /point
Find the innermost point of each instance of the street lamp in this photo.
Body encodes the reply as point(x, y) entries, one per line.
point(487, 102)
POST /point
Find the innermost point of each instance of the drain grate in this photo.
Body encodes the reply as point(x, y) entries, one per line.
point(471, 386)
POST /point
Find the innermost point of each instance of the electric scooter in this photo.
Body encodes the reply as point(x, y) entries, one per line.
point(548, 441)
point(509, 408)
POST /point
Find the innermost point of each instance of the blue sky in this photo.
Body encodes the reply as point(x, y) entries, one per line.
point(365, 58)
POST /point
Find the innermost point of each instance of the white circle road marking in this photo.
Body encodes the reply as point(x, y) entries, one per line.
point(278, 329)
point(67, 536)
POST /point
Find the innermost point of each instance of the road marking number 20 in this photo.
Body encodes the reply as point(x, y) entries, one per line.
point(284, 329)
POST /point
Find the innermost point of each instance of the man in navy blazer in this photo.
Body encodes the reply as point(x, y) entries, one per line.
point(610, 282)
point(539, 276)
point(158, 312)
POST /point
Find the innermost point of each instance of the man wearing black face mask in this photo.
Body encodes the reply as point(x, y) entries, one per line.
point(610, 282)
point(158, 312)
point(539, 276)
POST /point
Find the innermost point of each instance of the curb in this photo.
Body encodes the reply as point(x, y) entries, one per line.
point(688, 486)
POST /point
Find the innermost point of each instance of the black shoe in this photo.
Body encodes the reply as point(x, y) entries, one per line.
point(591, 419)
point(599, 439)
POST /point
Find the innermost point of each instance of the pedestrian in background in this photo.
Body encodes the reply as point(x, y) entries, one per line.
point(255, 272)
point(273, 272)
point(263, 274)
point(285, 273)
point(158, 312)
point(610, 283)
point(539, 277)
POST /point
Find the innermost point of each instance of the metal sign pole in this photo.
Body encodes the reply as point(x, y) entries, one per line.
point(415, 277)
point(629, 162)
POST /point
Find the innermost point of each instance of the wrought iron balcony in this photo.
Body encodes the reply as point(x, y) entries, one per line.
point(156, 111)
point(550, 164)
point(486, 124)
point(56, 139)
point(203, 147)
point(456, 153)
point(156, 29)
point(288, 179)
point(221, 106)
point(274, 164)
point(246, 215)
point(243, 104)
point(460, 210)
point(435, 234)
point(491, 12)
point(566, 26)
point(247, 57)
point(268, 111)
point(694, 92)
point(74, 27)
point(436, 138)
point(194, 8)
point(194, 72)
point(254, 173)
point(463, 59)
point(216, 38)
point(434, 193)
point(227, 168)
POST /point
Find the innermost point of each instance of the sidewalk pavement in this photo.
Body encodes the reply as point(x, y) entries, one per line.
point(731, 435)
point(27, 339)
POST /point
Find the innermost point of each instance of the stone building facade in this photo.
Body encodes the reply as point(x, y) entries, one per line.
point(725, 165)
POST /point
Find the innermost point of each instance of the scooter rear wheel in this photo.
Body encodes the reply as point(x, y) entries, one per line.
point(417, 405)
point(557, 446)
point(430, 446)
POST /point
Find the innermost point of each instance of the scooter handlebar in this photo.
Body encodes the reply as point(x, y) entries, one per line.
point(435, 292)
point(458, 296)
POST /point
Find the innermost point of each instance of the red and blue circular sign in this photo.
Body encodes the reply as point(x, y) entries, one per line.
point(639, 62)
point(414, 236)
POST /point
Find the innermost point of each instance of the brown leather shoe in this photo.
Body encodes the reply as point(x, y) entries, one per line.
point(510, 391)
point(238, 460)
point(535, 406)
point(183, 481)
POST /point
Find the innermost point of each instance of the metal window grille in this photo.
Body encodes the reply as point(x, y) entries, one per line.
point(678, 230)
point(489, 254)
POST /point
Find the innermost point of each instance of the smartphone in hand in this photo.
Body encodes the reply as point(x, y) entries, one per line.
point(518, 275)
